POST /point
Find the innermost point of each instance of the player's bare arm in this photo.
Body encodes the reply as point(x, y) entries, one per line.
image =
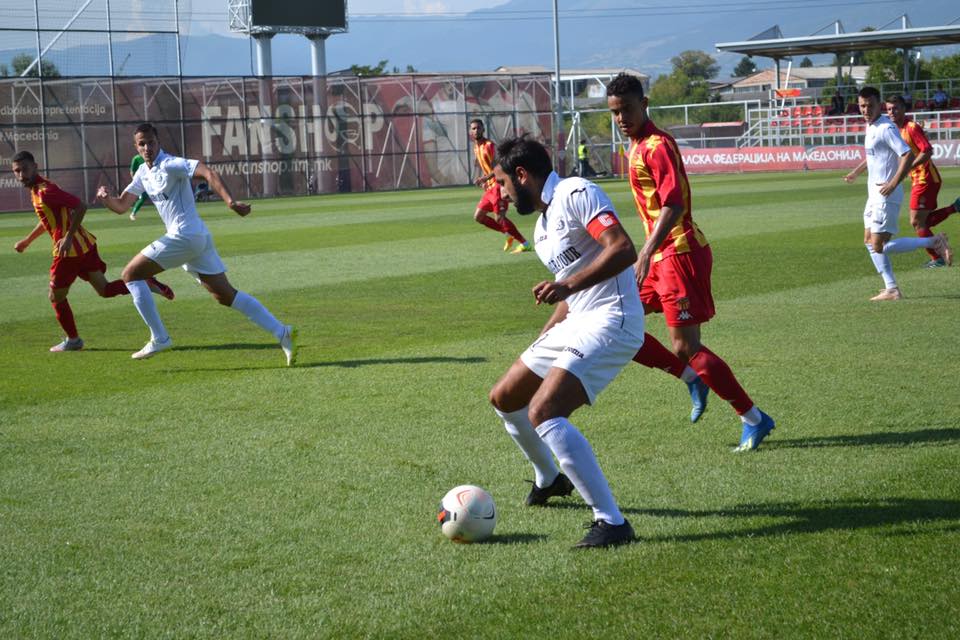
point(618, 254)
point(76, 217)
point(213, 179)
point(667, 220)
point(21, 245)
point(906, 162)
point(117, 204)
point(860, 168)
point(559, 314)
point(921, 159)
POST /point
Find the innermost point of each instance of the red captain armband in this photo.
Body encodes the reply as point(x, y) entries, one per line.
point(601, 223)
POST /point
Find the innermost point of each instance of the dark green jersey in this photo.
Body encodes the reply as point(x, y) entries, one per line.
point(135, 163)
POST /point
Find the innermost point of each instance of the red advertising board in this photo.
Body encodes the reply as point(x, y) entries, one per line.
point(733, 160)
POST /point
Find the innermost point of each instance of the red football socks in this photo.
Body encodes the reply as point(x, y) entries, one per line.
point(65, 318)
point(507, 226)
point(487, 221)
point(938, 216)
point(115, 288)
point(718, 376)
point(656, 356)
point(926, 233)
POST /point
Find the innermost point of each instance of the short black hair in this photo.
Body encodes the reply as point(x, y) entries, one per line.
point(479, 122)
point(23, 156)
point(146, 127)
point(625, 85)
point(524, 152)
point(897, 99)
point(869, 92)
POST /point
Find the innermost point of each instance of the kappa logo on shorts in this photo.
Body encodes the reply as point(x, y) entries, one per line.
point(684, 305)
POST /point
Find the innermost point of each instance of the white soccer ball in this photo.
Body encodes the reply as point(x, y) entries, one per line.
point(467, 514)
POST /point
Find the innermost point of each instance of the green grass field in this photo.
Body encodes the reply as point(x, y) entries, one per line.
point(212, 493)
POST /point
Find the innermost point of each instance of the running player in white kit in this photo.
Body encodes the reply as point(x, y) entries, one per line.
point(594, 332)
point(166, 180)
point(888, 162)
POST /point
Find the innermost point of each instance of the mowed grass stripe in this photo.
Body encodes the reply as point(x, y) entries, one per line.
point(211, 492)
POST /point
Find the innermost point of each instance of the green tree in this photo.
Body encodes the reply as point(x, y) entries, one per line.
point(366, 70)
point(806, 63)
point(886, 65)
point(695, 64)
point(941, 68)
point(21, 61)
point(744, 68)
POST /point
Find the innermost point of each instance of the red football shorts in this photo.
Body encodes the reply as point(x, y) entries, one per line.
point(64, 271)
point(923, 197)
point(492, 201)
point(679, 287)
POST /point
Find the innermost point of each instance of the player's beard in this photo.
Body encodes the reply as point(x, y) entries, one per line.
point(525, 203)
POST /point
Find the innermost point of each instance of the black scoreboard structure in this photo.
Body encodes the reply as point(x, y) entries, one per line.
point(263, 19)
point(307, 17)
point(329, 15)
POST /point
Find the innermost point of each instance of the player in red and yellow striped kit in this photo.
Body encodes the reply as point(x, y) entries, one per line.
point(924, 175)
point(75, 252)
point(492, 203)
point(674, 266)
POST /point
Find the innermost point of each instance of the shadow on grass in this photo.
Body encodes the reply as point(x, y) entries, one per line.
point(345, 364)
point(816, 517)
point(949, 435)
point(349, 364)
point(515, 538)
point(230, 346)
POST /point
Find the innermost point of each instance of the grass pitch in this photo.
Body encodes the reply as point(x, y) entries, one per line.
point(212, 493)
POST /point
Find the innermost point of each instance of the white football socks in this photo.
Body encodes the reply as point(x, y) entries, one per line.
point(578, 462)
point(882, 262)
point(752, 417)
point(257, 314)
point(537, 452)
point(147, 308)
point(902, 245)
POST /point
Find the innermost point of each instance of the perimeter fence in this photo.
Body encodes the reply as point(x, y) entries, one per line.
point(267, 136)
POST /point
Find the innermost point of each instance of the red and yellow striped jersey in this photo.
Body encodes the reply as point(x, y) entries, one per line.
point(53, 206)
point(926, 173)
point(658, 179)
point(485, 152)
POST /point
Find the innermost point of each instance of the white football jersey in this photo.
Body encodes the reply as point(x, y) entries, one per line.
point(884, 147)
point(168, 186)
point(565, 246)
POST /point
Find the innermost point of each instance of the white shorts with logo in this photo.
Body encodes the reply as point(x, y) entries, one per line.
point(195, 253)
point(593, 351)
point(882, 213)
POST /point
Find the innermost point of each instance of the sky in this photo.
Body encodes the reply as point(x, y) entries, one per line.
point(210, 15)
point(606, 31)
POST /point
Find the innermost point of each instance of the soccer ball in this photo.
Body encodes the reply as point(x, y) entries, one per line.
point(467, 514)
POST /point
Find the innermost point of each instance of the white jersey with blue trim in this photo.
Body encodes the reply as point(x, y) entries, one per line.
point(565, 247)
point(168, 185)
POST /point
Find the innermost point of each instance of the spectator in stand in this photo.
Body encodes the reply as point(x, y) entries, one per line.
point(837, 104)
point(907, 99)
point(940, 98)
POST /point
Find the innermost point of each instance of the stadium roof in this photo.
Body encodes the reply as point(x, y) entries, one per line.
point(845, 42)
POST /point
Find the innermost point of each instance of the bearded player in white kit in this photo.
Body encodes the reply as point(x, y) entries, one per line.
point(166, 179)
point(595, 330)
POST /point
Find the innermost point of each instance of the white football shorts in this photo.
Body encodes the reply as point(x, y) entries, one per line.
point(593, 351)
point(195, 253)
point(882, 213)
